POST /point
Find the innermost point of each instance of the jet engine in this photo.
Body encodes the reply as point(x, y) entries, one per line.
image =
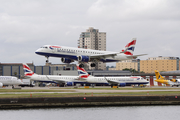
point(173, 80)
point(83, 58)
point(122, 84)
point(69, 83)
point(66, 60)
point(1, 85)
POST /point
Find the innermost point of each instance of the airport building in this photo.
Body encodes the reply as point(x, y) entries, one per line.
point(159, 63)
point(93, 39)
point(16, 69)
point(152, 63)
point(130, 64)
point(12, 69)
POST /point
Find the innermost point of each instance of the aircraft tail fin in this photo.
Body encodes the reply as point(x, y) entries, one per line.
point(27, 70)
point(158, 75)
point(129, 48)
point(82, 72)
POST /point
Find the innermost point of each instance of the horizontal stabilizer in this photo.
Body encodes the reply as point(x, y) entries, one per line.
point(135, 56)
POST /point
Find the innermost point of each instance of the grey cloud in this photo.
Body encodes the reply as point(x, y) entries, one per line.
point(27, 25)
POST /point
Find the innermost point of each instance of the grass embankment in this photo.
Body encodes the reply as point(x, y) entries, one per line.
point(124, 88)
point(35, 90)
point(33, 93)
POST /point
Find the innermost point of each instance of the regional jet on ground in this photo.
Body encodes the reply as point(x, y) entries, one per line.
point(62, 80)
point(171, 82)
point(83, 78)
point(9, 80)
point(113, 81)
point(70, 54)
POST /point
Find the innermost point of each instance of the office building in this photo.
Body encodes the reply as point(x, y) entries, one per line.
point(93, 39)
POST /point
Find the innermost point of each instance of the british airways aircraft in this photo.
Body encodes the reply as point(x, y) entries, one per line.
point(83, 78)
point(70, 54)
point(112, 81)
point(62, 80)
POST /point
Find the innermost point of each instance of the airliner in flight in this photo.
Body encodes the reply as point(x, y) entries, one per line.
point(171, 82)
point(113, 81)
point(62, 80)
point(70, 54)
point(9, 80)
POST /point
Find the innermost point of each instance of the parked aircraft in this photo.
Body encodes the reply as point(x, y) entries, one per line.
point(9, 80)
point(113, 81)
point(171, 82)
point(62, 80)
point(70, 54)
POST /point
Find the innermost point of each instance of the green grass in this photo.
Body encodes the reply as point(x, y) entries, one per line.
point(28, 93)
point(34, 90)
point(44, 95)
point(124, 88)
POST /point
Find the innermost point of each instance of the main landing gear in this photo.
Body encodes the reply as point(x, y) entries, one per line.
point(82, 65)
point(93, 64)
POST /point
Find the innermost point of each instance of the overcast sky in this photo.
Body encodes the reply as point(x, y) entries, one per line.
point(26, 25)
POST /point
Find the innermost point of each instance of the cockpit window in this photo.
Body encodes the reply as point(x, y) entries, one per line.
point(44, 47)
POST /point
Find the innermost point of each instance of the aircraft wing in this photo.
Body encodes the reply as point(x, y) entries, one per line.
point(111, 81)
point(135, 56)
point(104, 55)
point(57, 80)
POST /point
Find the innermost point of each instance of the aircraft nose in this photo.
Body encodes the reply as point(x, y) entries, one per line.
point(38, 51)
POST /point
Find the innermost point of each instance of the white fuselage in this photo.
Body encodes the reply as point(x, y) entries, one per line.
point(9, 80)
point(117, 80)
point(73, 53)
point(55, 78)
point(177, 83)
point(90, 79)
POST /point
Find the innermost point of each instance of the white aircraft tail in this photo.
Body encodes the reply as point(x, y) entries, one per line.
point(129, 48)
point(27, 70)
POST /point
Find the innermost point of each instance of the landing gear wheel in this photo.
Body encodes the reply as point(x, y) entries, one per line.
point(81, 65)
point(93, 64)
point(47, 59)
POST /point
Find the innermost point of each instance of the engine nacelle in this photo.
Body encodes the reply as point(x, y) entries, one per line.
point(122, 84)
point(1, 85)
point(69, 83)
point(83, 58)
point(66, 60)
point(173, 80)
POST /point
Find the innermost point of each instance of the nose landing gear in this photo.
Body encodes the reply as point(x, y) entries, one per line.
point(47, 59)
